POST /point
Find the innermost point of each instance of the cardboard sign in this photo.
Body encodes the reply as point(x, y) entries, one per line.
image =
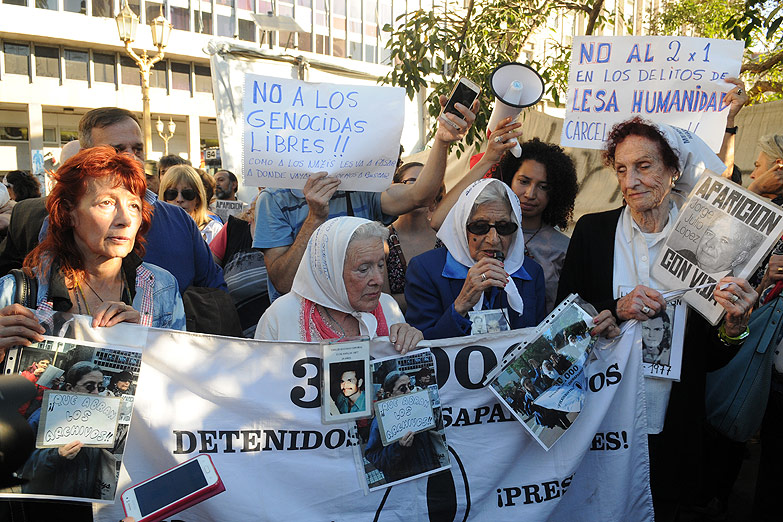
point(664, 79)
point(67, 417)
point(400, 415)
point(293, 129)
point(225, 208)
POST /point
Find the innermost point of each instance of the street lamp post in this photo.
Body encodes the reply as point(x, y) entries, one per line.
point(127, 22)
point(166, 137)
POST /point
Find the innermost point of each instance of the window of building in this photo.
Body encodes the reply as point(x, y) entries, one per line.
point(203, 22)
point(322, 44)
point(338, 8)
point(15, 2)
point(67, 135)
point(225, 26)
point(180, 18)
point(285, 8)
point(51, 5)
point(203, 79)
point(158, 75)
point(305, 3)
point(135, 6)
point(180, 76)
point(75, 6)
point(385, 57)
point(369, 53)
point(13, 133)
point(152, 10)
point(338, 47)
point(247, 5)
point(103, 8)
point(247, 30)
point(264, 6)
point(129, 72)
point(223, 2)
point(355, 50)
point(286, 39)
point(17, 58)
point(76, 65)
point(104, 67)
point(305, 43)
point(50, 135)
point(47, 61)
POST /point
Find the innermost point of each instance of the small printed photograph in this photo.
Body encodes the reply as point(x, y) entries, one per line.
point(544, 384)
point(488, 321)
point(712, 240)
point(79, 415)
point(405, 439)
point(662, 338)
point(346, 365)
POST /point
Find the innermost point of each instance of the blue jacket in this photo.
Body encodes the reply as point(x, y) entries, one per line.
point(430, 297)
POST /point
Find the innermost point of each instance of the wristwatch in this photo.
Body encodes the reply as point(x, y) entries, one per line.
point(732, 341)
point(731, 130)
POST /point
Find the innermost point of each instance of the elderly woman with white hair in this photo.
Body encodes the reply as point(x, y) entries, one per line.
point(483, 267)
point(767, 173)
point(337, 290)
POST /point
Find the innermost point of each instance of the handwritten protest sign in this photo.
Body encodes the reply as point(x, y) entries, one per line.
point(68, 417)
point(399, 415)
point(292, 129)
point(721, 230)
point(224, 208)
point(665, 79)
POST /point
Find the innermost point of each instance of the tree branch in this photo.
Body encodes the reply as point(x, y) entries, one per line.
point(764, 66)
point(594, 12)
point(761, 87)
point(462, 40)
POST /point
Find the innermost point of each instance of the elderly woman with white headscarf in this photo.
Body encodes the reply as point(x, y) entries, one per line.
point(483, 267)
point(609, 263)
point(337, 290)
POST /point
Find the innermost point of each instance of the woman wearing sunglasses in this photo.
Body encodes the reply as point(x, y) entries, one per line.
point(182, 186)
point(483, 267)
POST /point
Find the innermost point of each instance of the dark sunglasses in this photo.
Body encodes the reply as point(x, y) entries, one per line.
point(503, 228)
point(90, 387)
point(188, 194)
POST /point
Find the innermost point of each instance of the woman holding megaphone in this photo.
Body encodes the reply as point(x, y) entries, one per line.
point(544, 179)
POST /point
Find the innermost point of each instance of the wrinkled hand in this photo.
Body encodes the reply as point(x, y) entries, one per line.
point(641, 304)
point(775, 268)
point(453, 128)
point(738, 300)
point(605, 325)
point(407, 440)
point(318, 190)
point(404, 337)
point(734, 99)
point(114, 312)
point(770, 183)
point(70, 450)
point(501, 139)
point(18, 326)
point(486, 273)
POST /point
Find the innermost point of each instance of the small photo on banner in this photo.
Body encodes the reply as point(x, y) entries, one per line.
point(80, 417)
point(542, 380)
point(407, 408)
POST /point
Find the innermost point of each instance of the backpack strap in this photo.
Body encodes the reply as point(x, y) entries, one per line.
point(26, 289)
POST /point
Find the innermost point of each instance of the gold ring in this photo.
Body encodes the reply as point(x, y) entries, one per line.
point(780, 269)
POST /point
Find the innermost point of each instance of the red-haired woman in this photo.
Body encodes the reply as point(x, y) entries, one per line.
point(90, 261)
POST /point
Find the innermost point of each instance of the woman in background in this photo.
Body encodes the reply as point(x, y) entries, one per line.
point(182, 186)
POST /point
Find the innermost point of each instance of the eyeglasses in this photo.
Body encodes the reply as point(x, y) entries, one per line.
point(503, 228)
point(90, 387)
point(187, 194)
point(404, 387)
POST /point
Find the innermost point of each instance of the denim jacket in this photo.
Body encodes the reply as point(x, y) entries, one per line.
point(156, 296)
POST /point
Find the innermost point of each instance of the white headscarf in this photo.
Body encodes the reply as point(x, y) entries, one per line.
point(319, 277)
point(5, 197)
point(694, 156)
point(455, 237)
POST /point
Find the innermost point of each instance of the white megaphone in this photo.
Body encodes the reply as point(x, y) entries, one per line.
point(515, 86)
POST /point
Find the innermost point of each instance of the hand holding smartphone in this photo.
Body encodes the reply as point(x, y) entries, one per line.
point(172, 491)
point(464, 92)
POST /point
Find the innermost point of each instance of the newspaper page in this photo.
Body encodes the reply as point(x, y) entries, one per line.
point(542, 381)
point(723, 229)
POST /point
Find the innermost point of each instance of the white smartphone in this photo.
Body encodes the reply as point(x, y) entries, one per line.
point(464, 92)
point(173, 490)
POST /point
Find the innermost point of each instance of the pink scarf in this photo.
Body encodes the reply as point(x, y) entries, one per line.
point(313, 326)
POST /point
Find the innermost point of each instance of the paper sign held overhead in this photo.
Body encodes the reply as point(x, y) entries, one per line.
point(664, 79)
point(68, 417)
point(293, 129)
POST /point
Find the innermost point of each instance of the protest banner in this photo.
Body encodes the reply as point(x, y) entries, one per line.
point(399, 415)
point(68, 417)
point(224, 208)
point(293, 129)
point(76, 409)
point(664, 79)
point(723, 229)
point(254, 406)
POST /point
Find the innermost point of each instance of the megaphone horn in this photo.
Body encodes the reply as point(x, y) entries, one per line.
point(515, 86)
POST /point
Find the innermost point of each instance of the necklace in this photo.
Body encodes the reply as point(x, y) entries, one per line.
point(91, 288)
point(528, 240)
point(332, 319)
point(83, 300)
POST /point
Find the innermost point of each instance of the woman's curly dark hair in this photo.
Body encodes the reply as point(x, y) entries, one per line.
point(25, 185)
point(560, 174)
point(636, 126)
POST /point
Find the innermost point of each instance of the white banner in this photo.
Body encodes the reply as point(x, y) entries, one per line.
point(665, 79)
point(254, 407)
point(293, 129)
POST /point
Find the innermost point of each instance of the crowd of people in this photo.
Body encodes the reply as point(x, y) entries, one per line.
point(413, 262)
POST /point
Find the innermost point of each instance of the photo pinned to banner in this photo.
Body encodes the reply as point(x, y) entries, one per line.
point(662, 340)
point(542, 380)
point(406, 396)
point(722, 229)
point(346, 366)
point(79, 416)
